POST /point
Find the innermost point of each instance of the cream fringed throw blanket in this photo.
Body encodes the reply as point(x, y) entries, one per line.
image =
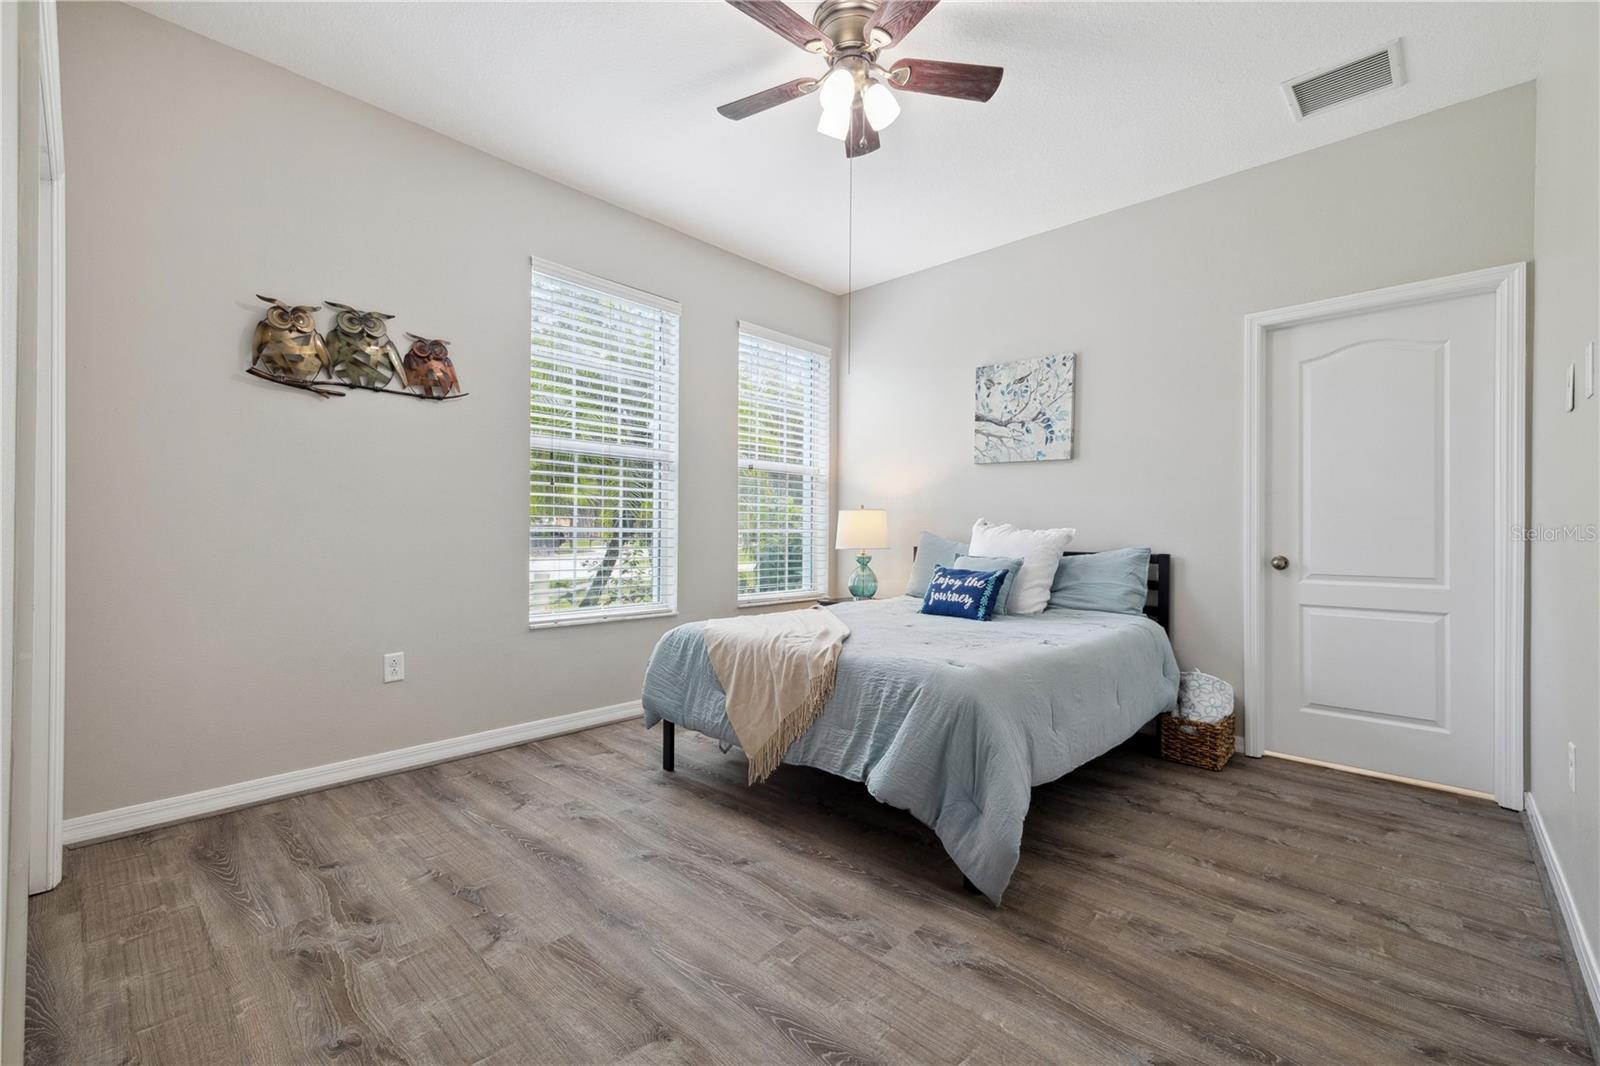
point(777, 671)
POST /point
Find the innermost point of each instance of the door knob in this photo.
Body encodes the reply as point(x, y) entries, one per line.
point(1280, 562)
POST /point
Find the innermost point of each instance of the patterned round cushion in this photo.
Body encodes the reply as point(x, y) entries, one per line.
point(1203, 698)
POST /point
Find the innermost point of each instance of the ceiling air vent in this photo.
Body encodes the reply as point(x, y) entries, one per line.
point(1372, 73)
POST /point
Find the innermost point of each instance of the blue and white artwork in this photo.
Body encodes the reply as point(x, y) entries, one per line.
point(1022, 411)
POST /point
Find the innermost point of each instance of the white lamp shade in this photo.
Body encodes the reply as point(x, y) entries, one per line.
point(881, 106)
point(837, 90)
point(863, 528)
point(835, 122)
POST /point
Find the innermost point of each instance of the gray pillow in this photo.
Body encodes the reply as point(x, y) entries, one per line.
point(991, 562)
point(932, 551)
point(1116, 581)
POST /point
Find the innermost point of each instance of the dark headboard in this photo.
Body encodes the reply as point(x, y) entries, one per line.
point(1158, 600)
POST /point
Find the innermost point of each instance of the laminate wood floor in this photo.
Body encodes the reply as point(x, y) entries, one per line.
point(566, 901)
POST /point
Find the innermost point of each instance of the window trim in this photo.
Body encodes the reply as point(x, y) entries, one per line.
point(668, 530)
point(824, 559)
point(775, 337)
point(591, 618)
point(606, 285)
point(777, 599)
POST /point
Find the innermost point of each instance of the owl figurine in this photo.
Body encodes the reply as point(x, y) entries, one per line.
point(359, 349)
point(287, 343)
point(428, 368)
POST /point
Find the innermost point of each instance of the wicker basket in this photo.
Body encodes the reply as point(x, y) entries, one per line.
point(1208, 745)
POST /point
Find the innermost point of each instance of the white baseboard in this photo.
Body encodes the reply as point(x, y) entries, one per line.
point(138, 817)
point(1571, 913)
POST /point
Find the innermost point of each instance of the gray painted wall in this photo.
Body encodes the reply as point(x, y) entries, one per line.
point(1564, 455)
point(242, 555)
point(1152, 299)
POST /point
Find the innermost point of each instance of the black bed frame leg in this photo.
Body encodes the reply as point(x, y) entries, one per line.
point(967, 885)
point(666, 746)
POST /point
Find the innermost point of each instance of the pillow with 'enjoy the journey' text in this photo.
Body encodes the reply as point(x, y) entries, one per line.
point(963, 593)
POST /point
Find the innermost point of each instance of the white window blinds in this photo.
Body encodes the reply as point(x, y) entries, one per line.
point(602, 450)
point(784, 502)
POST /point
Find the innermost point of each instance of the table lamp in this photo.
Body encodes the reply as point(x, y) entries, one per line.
point(863, 529)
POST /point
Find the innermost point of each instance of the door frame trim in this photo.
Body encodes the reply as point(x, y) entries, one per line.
point(1508, 285)
point(47, 726)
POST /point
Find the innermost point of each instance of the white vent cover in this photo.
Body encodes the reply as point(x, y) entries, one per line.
point(1372, 73)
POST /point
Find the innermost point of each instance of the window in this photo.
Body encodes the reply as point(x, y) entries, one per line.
point(783, 467)
point(602, 450)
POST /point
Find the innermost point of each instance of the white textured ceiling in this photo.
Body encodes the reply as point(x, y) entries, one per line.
point(1103, 105)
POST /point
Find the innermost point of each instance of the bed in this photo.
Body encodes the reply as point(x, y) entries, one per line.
point(953, 720)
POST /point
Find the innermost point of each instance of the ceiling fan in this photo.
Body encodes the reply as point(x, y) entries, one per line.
point(856, 91)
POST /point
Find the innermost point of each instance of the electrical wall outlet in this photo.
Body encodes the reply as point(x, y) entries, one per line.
point(1572, 767)
point(394, 666)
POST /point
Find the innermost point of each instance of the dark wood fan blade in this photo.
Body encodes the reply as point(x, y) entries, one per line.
point(778, 94)
point(964, 81)
point(863, 138)
point(781, 19)
point(896, 18)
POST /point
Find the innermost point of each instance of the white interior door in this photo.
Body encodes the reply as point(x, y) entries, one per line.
point(1381, 439)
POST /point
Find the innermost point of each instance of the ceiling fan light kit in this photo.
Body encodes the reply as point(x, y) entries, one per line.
point(856, 91)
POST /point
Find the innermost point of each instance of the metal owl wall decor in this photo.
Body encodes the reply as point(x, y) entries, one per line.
point(356, 353)
point(359, 349)
point(429, 369)
point(287, 341)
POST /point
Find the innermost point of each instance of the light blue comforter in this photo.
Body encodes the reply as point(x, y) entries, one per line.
point(954, 720)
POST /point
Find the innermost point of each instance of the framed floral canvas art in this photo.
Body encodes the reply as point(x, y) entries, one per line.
point(1022, 411)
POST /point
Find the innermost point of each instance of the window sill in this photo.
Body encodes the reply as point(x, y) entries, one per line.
point(778, 601)
point(597, 619)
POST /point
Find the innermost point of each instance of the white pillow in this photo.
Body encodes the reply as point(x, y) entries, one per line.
point(1039, 550)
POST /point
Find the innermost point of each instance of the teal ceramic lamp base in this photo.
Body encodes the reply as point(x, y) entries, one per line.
point(863, 583)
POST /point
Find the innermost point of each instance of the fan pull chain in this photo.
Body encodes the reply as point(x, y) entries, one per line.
point(850, 266)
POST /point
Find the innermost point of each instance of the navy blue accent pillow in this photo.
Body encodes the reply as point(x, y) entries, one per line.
point(963, 593)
